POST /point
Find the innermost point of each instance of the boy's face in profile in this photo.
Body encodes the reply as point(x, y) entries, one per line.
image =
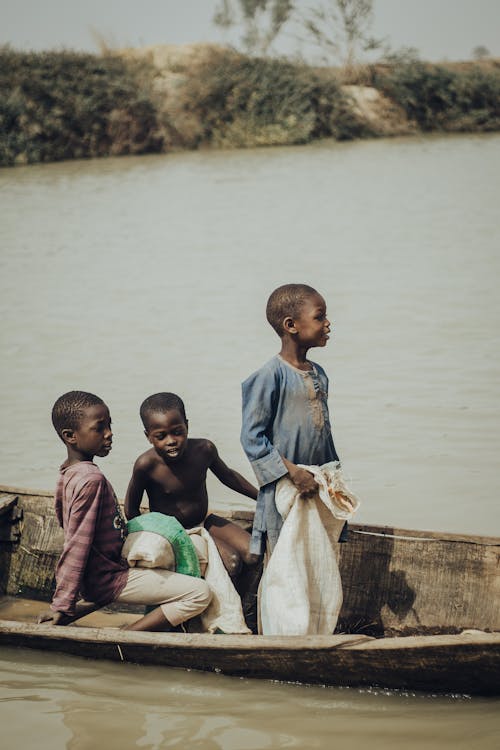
point(93, 436)
point(312, 325)
point(167, 432)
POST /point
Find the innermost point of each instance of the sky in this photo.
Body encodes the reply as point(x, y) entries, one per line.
point(438, 29)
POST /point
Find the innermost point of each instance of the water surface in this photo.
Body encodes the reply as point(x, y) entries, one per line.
point(129, 276)
point(54, 702)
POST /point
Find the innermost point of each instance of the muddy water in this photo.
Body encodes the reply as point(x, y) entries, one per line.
point(130, 276)
point(52, 702)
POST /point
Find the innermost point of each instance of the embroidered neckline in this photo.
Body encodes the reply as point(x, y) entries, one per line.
point(302, 372)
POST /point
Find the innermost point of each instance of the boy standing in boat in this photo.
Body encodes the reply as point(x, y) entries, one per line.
point(173, 475)
point(94, 529)
point(285, 410)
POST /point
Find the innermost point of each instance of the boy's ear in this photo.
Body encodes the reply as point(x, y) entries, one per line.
point(147, 434)
point(289, 325)
point(68, 436)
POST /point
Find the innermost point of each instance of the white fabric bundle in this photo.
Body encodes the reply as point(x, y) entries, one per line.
point(301, 590)
point(147, 549)
point(151, 549)
point(224, 611)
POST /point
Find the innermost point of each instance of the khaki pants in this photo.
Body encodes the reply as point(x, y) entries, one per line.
point(180, 597)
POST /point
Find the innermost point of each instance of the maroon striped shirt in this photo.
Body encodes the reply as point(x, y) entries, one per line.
point(90, 564)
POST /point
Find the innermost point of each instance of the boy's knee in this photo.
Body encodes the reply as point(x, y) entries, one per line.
point(201, 594)
point(251, 559)
point(233, 564)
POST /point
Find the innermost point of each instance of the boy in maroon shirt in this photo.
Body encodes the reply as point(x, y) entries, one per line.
point(94, 529)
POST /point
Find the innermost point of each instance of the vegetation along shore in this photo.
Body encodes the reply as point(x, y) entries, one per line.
point(64, 105)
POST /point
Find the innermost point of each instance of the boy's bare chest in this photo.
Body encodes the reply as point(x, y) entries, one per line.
point(182, 494)
point(178, 482)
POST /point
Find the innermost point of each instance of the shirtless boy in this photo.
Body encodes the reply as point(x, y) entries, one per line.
point(173, 474)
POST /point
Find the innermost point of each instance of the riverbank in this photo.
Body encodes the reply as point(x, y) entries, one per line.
point(64, 105)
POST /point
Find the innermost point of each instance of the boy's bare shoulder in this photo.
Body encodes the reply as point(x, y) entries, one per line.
point(203, 447)
point(146, 461)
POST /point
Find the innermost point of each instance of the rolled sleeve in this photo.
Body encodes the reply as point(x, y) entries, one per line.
point(259, 393)
point(269, 468)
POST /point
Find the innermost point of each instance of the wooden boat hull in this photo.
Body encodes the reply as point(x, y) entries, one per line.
point(416, 591)
point(466, 663)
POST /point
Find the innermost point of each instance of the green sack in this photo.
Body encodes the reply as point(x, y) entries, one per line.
point(186, 559)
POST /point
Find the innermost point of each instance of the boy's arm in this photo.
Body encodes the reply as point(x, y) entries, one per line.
point(259, 392)
point(302, 479)
point(78, 537)
point(82, 608)
point(230, 477)
point(135, 490)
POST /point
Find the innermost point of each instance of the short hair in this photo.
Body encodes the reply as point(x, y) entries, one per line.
point(67, 412)
point(161, 402)
point(286, 301)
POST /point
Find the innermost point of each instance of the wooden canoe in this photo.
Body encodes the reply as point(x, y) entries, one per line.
point(421, 611)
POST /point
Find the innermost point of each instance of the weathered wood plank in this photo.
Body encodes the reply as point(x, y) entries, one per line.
point(468, 663)
point(404, 585)
point(8, 489)
point(7, 502)
point(27, 568)
point(10, 515)
point(442, 536)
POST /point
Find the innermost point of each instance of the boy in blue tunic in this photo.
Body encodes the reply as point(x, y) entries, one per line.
point(285, 410)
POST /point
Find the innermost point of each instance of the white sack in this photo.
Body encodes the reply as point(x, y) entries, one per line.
point(224, 611)
point(147, 549)
point(301, 590)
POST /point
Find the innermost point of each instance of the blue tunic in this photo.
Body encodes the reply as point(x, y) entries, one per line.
point(285, 413)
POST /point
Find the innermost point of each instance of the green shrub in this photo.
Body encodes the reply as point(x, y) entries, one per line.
point(441, 97)
point(477, 100)
point(61, 105)
point(247, 101)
